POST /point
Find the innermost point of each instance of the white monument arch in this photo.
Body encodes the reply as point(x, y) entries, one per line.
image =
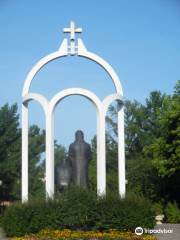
point(73, 47)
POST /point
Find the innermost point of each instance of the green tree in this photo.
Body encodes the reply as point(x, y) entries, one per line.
point(141, 128)
point(59, 153)
point(36, 161)
point(165, 149)
point(10, 157)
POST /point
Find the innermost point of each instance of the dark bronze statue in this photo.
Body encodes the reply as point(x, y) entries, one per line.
point(79, 157)
point(62, 175)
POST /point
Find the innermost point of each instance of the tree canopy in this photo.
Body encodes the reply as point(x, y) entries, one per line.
point(152, 137)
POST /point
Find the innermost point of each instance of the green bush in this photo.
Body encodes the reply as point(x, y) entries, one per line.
point(158, 208)
point(172, 213)
point(124, 215)
point(78, 209)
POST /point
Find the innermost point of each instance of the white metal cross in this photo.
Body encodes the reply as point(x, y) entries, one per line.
point(72, 30)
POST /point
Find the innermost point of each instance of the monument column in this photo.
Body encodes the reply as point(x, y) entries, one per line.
point(49, 154)
point(101, 154)
point(25, 128)
point(121, 153)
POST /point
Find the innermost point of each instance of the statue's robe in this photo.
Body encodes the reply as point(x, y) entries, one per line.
point(79, 157)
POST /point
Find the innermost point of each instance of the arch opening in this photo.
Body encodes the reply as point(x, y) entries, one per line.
point(101, 178)
point(81, 118)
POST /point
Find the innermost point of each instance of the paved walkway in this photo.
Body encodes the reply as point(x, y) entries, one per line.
point(175, 229)
point(2, 235)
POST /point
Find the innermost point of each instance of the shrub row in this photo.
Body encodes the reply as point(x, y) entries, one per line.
point(78, 209)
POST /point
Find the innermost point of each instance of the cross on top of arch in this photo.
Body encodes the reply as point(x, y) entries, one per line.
point(72, 30)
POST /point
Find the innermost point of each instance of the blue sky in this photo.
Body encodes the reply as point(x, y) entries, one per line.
point(140, 39)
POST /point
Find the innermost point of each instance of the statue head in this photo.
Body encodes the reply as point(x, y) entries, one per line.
point(79, 135)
